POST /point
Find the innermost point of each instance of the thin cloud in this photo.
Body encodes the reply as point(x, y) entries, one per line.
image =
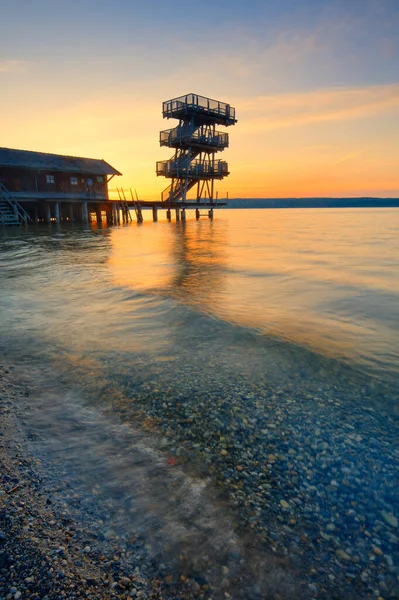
point(351, 155)
point(12, 66)
point(335, 104)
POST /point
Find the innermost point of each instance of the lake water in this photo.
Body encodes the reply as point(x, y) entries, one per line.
point(228, 385)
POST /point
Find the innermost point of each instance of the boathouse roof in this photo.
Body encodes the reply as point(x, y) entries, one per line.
point(42, 161)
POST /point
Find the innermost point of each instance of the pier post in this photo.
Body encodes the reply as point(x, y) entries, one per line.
point(71, 217)
point(99, 215)
point(48, 212)
point(36, 213)
point(85, 212)
point(139, 215)
point(197, 214)
point(57, 212)
point(114, 214)
point(154, 214)
point(183, 214)
point(210, 213)
point(109, 215)
point(177, 214)
point(169, 214)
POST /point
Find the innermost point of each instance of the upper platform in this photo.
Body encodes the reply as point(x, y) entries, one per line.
point(201, 109)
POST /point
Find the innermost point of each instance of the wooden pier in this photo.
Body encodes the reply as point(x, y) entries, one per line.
point(174, 210)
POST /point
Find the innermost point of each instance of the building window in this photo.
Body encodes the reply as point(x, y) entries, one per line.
point(100, 179)
point(49, 178)
point(74, 181)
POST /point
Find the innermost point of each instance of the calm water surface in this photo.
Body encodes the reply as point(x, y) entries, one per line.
point(324, 280)
point(169, 324)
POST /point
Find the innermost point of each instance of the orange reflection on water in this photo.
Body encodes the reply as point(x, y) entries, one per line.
point(318, 278)
point(181, 260)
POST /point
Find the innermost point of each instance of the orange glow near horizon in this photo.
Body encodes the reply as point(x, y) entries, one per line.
point(328, 143)
point(333, 148)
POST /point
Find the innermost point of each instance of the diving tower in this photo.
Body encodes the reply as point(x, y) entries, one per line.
point(195, 141)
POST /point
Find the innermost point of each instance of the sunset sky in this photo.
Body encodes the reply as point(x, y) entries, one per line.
point(315, 84)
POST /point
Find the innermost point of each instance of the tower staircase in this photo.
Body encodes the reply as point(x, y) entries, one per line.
point(195, 141)
point(11, 212)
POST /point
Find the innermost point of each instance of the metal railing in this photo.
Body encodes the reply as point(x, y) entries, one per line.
point(194, 168)
point(191, 135)
point(199, 104)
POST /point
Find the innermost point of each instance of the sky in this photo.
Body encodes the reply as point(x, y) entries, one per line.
point(315, 85)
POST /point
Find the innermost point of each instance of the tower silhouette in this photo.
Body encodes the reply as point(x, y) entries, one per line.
point(196, 142)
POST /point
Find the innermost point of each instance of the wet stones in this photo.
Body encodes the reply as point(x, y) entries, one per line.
point(390, 519)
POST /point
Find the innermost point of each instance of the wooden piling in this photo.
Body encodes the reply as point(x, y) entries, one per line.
point(99, 215)
point(57, 212)
point(85, 212)
point(48, 212)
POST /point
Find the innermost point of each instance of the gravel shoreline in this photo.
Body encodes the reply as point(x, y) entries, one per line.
point(44, 553)
point(59, 539)
point(311, 477)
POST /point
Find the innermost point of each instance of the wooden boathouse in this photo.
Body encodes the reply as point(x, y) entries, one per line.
point(41, 187)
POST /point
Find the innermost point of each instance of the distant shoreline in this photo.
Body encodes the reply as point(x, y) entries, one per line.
point(313, 203)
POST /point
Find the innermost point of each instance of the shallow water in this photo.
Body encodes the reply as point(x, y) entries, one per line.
point(217, 344)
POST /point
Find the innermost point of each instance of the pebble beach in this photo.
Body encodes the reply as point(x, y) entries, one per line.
point(313, 506)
